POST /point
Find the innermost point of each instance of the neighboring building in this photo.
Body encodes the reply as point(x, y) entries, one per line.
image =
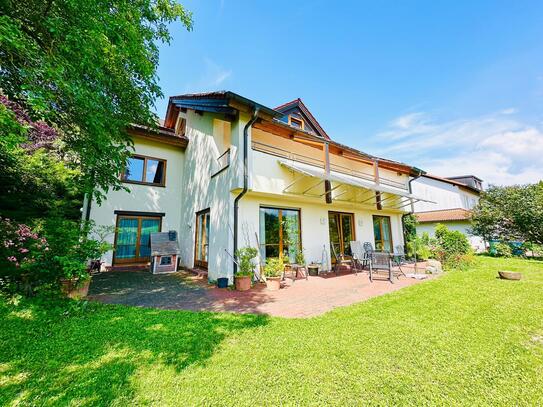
point(225, 172)
point(454, 198)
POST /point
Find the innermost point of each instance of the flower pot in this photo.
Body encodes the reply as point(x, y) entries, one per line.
point(243, 283)
point(313, 270)
point(72, 289)
point(222, 282)
point(273, 283)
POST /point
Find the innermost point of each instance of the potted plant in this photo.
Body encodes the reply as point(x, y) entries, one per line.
point(300, 258)
point(75, 278)
point(313, 268)
point(244, 275)
point(272, 271)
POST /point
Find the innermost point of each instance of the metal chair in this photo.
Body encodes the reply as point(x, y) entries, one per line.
point(399, 258)
point(379, 262)
point(359, 256)
point(340, 260)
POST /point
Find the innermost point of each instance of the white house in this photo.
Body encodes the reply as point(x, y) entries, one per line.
point(454, 198)
point(226, 172)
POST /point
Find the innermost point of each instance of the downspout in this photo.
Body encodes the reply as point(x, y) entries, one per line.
point(245, 181)
point(419, 174)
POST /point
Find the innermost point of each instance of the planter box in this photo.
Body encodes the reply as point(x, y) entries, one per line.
point(71, 288)
point(273, 283)
point(313, 270)
point(243, 283)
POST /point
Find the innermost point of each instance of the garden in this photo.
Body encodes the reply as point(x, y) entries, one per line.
point(464, 338)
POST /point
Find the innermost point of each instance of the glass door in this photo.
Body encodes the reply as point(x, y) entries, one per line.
point(341, 228)
point(202, 239)
point(280, 233)
point(132, 238)
point(383, 233)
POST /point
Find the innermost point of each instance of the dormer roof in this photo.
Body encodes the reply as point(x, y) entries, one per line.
point(297, 109)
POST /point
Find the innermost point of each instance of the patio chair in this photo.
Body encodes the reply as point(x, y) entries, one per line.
point(359, 256)
point(368, 248)
point(398, 258)
point(380, 262)
point(340, 260)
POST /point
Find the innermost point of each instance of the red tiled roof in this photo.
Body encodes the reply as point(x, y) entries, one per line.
point(443, 215)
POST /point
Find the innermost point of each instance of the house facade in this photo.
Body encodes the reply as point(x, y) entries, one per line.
point(226, 172)
point(454, 197)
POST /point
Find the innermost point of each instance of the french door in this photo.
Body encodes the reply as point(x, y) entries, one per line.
point(383, 233)
point(341, 228)
point(132, 238)
point(202, 239)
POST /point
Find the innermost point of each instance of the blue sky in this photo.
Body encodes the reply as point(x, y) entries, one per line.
point(451, 87)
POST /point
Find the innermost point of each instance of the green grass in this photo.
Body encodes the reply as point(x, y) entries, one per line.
point(465, 338)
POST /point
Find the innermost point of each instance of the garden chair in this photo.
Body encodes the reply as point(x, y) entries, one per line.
point(359, 256)
point(398, 258)
point(340, 260)
point(380, 262)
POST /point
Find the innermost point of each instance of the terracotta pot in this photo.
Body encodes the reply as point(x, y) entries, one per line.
point(273, 283)
point(243, 283)
point(71, 289)
point(509, 275)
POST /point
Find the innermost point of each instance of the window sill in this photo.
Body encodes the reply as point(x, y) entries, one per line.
point(149, 184)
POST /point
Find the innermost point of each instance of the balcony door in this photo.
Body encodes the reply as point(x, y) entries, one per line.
point(341, 228)
point(132, 238)
point(202, 239)
point(383, 233)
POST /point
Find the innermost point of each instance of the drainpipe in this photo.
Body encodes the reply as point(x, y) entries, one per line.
point(245, 181)
point(419, 174)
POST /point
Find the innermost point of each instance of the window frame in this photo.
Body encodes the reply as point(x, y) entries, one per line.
point(302, 121)
point(389, 220)
point(280, 244)
point(146, 158)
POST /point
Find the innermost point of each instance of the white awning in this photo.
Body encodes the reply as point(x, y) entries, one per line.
point(346, 179)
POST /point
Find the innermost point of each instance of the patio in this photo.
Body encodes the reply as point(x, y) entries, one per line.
point(182, 290)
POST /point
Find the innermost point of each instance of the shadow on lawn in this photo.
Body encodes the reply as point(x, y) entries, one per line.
point(90, 357)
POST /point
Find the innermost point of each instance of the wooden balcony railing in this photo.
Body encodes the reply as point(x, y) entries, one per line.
point(280, 152)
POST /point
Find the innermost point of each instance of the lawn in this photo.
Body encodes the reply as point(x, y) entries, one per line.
point(465, 338)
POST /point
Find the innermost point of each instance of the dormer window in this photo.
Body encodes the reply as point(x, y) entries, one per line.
point(296, 122)
point(181, 127)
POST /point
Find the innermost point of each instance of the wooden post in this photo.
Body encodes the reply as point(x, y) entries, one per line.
point(327, 183)
point(376, 177)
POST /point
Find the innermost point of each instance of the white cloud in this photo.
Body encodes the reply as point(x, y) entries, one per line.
point(495, 147)
point(212, 77)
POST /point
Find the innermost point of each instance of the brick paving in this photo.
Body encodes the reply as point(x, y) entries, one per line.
point(299, 299)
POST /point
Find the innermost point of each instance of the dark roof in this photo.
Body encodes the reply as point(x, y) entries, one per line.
point(452, 182)
point(160, 133)
point(300, 105)
point(465, 176)
point(443, 215)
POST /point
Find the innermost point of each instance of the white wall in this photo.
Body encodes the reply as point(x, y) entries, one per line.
point(315, 234)
point(145, 198)
point(446, 196)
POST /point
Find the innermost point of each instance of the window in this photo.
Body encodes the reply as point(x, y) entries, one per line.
point(166, 260)
point(202, 239)
point(145, 170)
point(296, 122)
point(181, 127)
point(280, 233)
point(132, 243)
point(383, 233)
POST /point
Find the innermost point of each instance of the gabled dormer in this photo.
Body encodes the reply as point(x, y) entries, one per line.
point(297, 115)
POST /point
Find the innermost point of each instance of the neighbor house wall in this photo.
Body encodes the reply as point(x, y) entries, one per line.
point(145, 198)
point(445, 195)
point(476, 242)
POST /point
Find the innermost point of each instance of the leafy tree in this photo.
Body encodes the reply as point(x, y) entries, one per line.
point(510, 213)
point(88, 68)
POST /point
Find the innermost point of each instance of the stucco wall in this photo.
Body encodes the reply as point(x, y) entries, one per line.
point(445, 195)
point(314, 222)
point(145, 198)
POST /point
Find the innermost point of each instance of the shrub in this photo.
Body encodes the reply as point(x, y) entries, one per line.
point(245, 258)
point(300, 258)
point(422, 246)
point(449, 246)
point(274, 267)
point(502, 249)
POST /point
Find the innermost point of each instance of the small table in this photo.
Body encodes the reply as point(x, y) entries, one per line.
point(294, 270)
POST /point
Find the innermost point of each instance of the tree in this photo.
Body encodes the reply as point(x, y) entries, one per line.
point(510, 213)
point(88, 69)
